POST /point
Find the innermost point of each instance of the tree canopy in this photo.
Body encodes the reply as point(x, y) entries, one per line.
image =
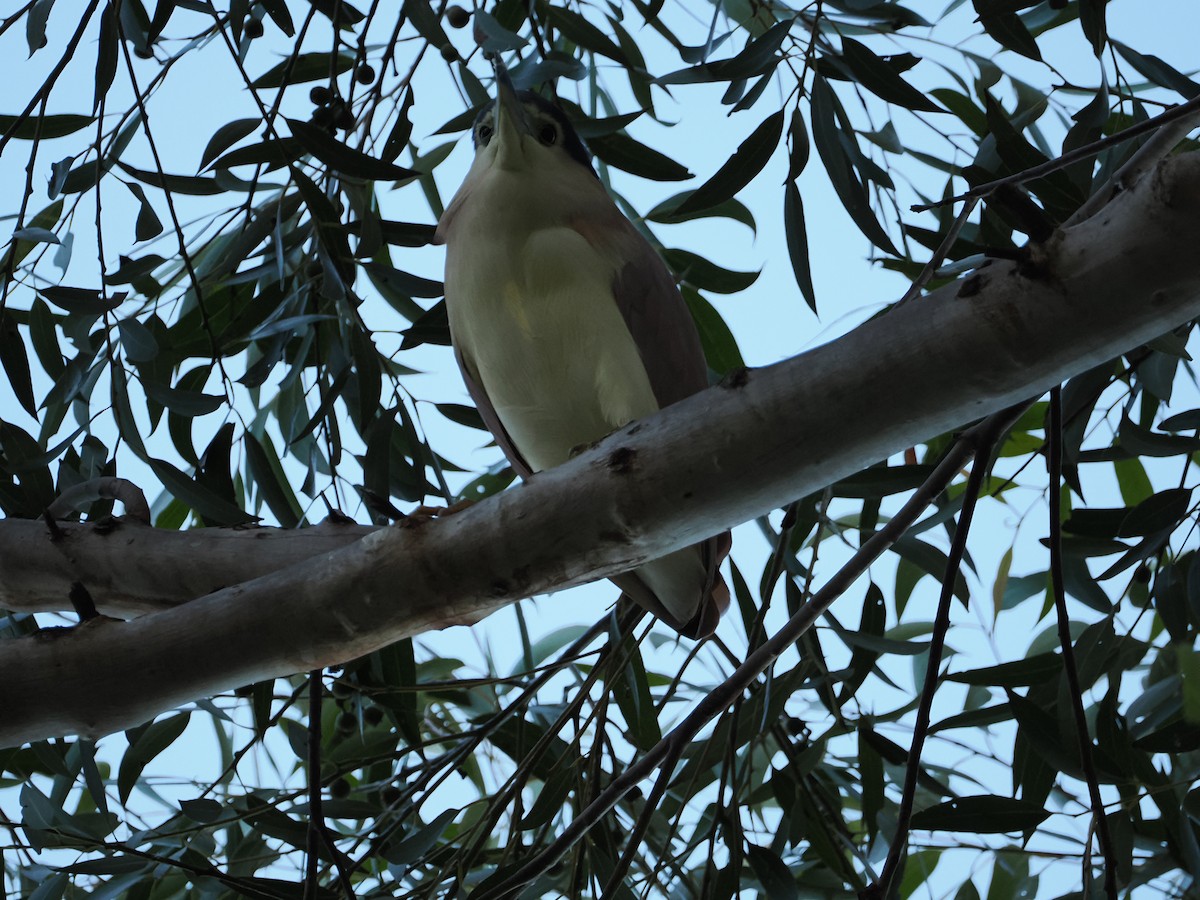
point(218, 304)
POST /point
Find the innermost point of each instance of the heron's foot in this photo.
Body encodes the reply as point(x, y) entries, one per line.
point(423, 513)
point(582, 448)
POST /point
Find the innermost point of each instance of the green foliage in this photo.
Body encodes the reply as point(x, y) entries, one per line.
point(246, 338)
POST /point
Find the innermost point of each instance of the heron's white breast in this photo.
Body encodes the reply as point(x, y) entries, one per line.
point(532, 312)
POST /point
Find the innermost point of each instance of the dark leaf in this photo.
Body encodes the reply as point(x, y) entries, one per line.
point(932, 561)
point(827, 136)
point(797, 242)
point(871, 623)
point(303, 67)
point(720, 349)
point(44, 127)
point(266, 472)
point(1164, 510)
point(183, 402)
point(881, 79)
point(340, 12)
point(225, 137)
point(43, 333)
point(397, 138)
point(975, 718)
point(412, 285)
point(623, 152)
point(668, 213)
point(16, 363)
point(107, 865)
point(583, 33)
point(550, 800)
point(882, 481)
point(83, 301)
point(747, 161)
point(135, 26)
point(123, 413)
point(433, 327)
point(707, 276)
point(145, 743)
point(1080, 584)
point(870, 766)
point(704, 52)
point(800, 148)
point(391, 290)
point(179, 184)
point(1006, 27)
point(981, 815)
point(202, 810)
point(1159, 72)
point(137, 341)
point(198, 498)
point(106, 54)
point(132, 270)
point(631, 690)
point(463, 415)
point(35, 25)
point(773, 875)
point(1184, 421)
point(426, 21)
point(148, 224)
point(1092, 16)
point(273, 153)
point(589, 128)
point(278, 11)
point(406, 234)
point(418, 841)
point(1018, 154)
point(329, 150)
point(394, 669)
point(1139, 441)
point(760, 54)
point(1032, 670)
point(964, 108)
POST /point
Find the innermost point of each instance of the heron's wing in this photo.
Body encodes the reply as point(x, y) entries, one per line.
point(665, 333)
point(659, 321)
point(490, 418)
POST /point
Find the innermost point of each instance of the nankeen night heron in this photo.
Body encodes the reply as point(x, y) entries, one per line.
point(566, 323)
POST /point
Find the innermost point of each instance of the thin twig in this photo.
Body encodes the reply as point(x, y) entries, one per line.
point(315, 820)
point(48, 85)
point(1156, 147)
point(939, 255)
point(1183, 110)
point(1054, 462)
point(448, 763)
point(958, 546)
point(670, 748)
point(184, 255)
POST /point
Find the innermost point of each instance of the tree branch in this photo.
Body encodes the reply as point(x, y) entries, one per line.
point(760, 440)
point(1183, 113)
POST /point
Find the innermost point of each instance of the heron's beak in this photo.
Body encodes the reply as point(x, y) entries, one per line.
point(511, 122)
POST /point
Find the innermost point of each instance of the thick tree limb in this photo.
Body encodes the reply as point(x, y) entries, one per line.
point(762, 439)
point(131, 569)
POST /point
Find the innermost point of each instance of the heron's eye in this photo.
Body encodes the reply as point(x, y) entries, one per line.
point(548, 134)
point(485, 134)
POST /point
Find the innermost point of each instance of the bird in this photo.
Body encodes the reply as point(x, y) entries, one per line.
point(566, 323)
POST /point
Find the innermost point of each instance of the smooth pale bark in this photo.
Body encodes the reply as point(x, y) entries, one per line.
point(765, 437)
point(130, 569)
